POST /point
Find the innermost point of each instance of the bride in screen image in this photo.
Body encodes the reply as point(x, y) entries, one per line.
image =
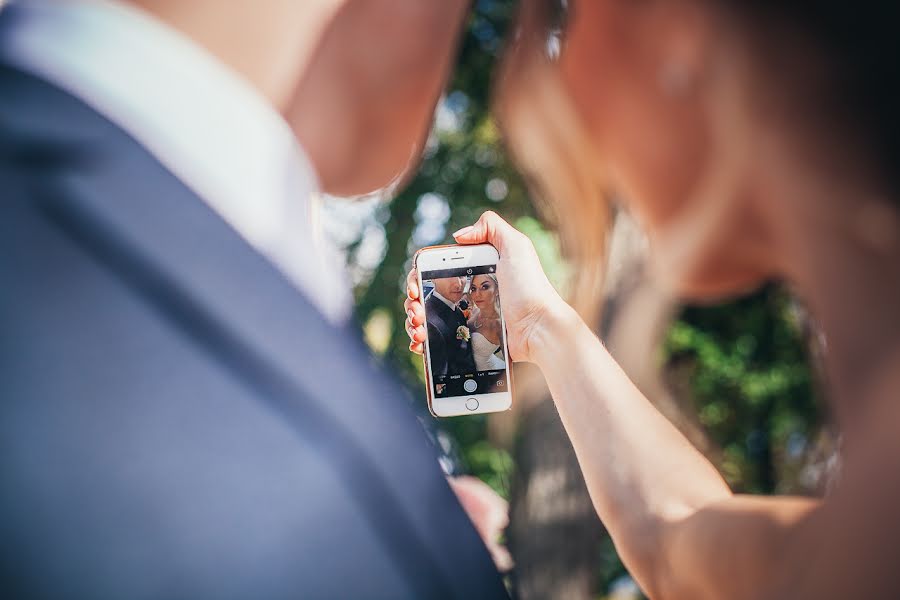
point(487, 336)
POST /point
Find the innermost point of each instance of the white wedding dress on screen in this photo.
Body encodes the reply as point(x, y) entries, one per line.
point(483, 351)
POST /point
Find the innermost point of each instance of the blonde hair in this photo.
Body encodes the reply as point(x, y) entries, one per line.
point(496, 290)
point(548, 142)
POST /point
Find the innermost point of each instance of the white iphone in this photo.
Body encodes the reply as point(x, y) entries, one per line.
point(466, 358)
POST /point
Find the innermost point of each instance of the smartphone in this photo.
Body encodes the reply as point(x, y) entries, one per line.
point(466, 357)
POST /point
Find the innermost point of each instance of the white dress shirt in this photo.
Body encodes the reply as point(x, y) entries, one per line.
point(451, 305)
point(203, 121)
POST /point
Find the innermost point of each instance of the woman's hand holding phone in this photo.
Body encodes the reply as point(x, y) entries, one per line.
point(528, 300)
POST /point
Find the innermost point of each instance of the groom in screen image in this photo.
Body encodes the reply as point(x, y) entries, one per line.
point(451, 352)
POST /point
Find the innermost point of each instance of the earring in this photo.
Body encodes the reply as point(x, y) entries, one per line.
point(675, 78)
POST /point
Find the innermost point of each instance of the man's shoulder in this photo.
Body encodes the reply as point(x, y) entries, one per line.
point(434, 304)
point(437, 312)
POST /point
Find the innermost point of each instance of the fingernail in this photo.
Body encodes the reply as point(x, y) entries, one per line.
point(411, 331)
point(411, 314)
point(464, 231)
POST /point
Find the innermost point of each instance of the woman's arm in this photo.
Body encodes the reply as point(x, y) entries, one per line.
point(676, 524)
point(678, 528)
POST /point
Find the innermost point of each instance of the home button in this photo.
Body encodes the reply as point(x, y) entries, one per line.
point(472, 404)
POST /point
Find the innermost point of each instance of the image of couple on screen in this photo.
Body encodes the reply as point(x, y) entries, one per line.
point(464, 326)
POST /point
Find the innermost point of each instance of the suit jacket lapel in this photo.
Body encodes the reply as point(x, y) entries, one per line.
point(440, 314)
point(457, 350)
point(449, 316)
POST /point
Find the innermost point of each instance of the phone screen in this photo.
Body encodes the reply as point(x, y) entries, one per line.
point(465, 331)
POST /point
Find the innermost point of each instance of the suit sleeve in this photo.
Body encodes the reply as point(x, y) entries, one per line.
point(438, 349)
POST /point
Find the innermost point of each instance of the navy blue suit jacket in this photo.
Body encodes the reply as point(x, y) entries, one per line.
point(449, 355)
point(176, 419)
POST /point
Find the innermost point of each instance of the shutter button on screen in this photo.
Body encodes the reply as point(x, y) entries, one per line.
point(470, 385)
point(472, 404)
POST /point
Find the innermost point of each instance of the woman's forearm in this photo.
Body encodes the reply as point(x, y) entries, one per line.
point(674, 521)
point(642, 474)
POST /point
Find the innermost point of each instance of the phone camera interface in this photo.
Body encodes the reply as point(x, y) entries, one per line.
point(465, 331)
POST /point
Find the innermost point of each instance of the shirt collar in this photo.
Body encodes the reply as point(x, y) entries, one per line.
point(203, 121)
point(444, 300)
point(91, 47)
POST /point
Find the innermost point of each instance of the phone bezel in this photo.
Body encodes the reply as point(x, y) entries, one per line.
point(452, 257)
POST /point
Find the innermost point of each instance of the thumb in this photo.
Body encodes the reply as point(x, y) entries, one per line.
point(490, 228)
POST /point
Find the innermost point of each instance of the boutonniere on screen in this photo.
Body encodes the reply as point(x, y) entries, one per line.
point(462, 333)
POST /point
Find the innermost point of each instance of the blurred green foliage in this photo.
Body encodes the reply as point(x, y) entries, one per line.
point(751, 385)
point(464, 172)
point(744, 363)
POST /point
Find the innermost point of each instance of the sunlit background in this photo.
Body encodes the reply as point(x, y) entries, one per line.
point(737, 377)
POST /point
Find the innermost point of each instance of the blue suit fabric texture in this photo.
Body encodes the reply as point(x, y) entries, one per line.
point(450, 354)
point(177, 421)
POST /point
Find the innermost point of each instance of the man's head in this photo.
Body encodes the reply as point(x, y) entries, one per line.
point(451, 288)
point(357, 80)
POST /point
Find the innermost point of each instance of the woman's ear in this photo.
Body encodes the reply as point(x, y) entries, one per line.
point(684, 45)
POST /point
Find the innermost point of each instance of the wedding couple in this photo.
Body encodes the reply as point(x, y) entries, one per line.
point(187, 410)
point(461, 345)
point(754, 141)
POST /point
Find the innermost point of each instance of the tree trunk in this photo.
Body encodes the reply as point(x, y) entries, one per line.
point(554, 533)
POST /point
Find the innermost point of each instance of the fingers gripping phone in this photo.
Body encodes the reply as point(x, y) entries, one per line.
point(466, 357)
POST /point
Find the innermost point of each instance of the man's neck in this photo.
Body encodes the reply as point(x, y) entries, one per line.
point(270, 52)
